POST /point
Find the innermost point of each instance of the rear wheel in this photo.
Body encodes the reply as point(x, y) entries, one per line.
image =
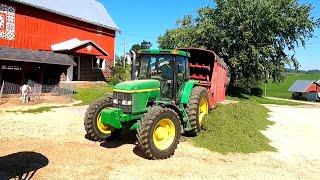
point(96, 131)
point(198, 107)
point(159, 133)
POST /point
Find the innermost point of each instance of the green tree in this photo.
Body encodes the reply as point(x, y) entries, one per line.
point(143, 45)
point(146, 44)
point(256, 38)
point(120, 73)
point(136, 48)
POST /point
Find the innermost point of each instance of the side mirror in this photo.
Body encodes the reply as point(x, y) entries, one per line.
point(133, 65)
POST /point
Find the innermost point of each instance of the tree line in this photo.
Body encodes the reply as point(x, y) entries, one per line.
point(256, 38)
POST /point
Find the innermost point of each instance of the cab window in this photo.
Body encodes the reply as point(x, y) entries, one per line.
point(181, 70)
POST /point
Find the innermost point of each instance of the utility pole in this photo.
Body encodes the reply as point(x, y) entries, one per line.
point(265, 89)
point(124, 52)
point(265, 82)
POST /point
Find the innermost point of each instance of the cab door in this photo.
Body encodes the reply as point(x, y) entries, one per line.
point(164, 68)
point(181, 76)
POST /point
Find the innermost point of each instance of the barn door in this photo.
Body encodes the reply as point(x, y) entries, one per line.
point(76, 69)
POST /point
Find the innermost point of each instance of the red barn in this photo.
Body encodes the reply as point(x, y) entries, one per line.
point(53, 40)
point(306, 90)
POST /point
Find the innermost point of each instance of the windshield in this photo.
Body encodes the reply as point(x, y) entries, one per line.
point(156, 67)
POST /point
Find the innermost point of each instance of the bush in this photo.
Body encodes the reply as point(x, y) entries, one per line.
point(256, 92)
point(121, 73)
point(113, 80)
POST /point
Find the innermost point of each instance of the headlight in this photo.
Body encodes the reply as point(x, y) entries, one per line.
point(126, 103)
point(115, 101)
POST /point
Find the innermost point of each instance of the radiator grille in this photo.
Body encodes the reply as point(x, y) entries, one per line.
point(120, 97)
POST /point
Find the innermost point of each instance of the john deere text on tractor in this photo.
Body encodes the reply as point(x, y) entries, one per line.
point(171, 92)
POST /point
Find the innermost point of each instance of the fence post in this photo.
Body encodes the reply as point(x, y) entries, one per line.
point(1, 91)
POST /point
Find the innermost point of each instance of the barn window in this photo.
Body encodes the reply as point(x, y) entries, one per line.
point(97, 63)
point(12, 68)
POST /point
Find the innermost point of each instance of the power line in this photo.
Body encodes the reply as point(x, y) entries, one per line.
point(137, 35)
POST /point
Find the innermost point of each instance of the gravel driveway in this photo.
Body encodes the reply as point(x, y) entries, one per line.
point(58, 149)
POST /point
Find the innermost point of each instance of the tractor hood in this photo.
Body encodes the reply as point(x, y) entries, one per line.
point(137, 86)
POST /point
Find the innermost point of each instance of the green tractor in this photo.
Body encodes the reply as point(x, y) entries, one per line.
point(160, 103)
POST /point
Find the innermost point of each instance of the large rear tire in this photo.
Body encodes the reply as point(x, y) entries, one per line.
point(197, 108)
point(159, 133)
point(96, 131)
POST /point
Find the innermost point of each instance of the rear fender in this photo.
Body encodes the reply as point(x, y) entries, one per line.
point(187, 91)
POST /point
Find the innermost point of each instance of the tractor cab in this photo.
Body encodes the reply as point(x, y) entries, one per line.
point(169, 67)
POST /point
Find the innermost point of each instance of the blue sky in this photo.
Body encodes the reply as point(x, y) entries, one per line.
point(146, 20)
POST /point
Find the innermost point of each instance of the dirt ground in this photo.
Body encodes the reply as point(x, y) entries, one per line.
point(15, 103)
point(52, 145)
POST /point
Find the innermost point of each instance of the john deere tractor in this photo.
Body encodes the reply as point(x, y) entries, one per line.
point(160, 104)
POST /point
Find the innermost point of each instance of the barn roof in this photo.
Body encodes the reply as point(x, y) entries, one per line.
point(26, 55)
point(90, 11)
point(300, 85)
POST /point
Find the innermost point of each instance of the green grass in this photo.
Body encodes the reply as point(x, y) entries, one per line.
point(262, 100)
point(281, 90)
point(37, 110)
point(90, 94)
point(236, 128)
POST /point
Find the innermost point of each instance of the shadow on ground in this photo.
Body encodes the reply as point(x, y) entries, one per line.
point(21, 165)
point(123, 139)
point(128, 138)
point(119, 140)
point(238, 95)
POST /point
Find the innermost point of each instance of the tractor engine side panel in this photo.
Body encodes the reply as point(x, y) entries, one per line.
point(140, 100)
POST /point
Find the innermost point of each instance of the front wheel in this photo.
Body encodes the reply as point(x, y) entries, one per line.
point(96, 131)
point(159, 133)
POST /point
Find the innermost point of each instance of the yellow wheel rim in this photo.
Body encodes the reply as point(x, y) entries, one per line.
point(105, 129)
point(164, 134)
point(203, 109)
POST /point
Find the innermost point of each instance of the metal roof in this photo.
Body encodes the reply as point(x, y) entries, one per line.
point(45, 57)
point(300, 85)
point(75, 43)
point(90, 11)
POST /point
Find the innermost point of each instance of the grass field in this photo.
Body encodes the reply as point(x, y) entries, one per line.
point(281, 90)
point(88, 95)
point(236, 128)
point(262, 100)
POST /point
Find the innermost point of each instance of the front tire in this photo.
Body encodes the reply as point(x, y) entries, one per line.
point(198, 107)
point(159, 133)
point(96, 131)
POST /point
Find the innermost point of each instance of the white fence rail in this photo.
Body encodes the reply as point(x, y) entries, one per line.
point(8, 88)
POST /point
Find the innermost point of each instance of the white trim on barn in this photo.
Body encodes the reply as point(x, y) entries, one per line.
point(75, 43)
